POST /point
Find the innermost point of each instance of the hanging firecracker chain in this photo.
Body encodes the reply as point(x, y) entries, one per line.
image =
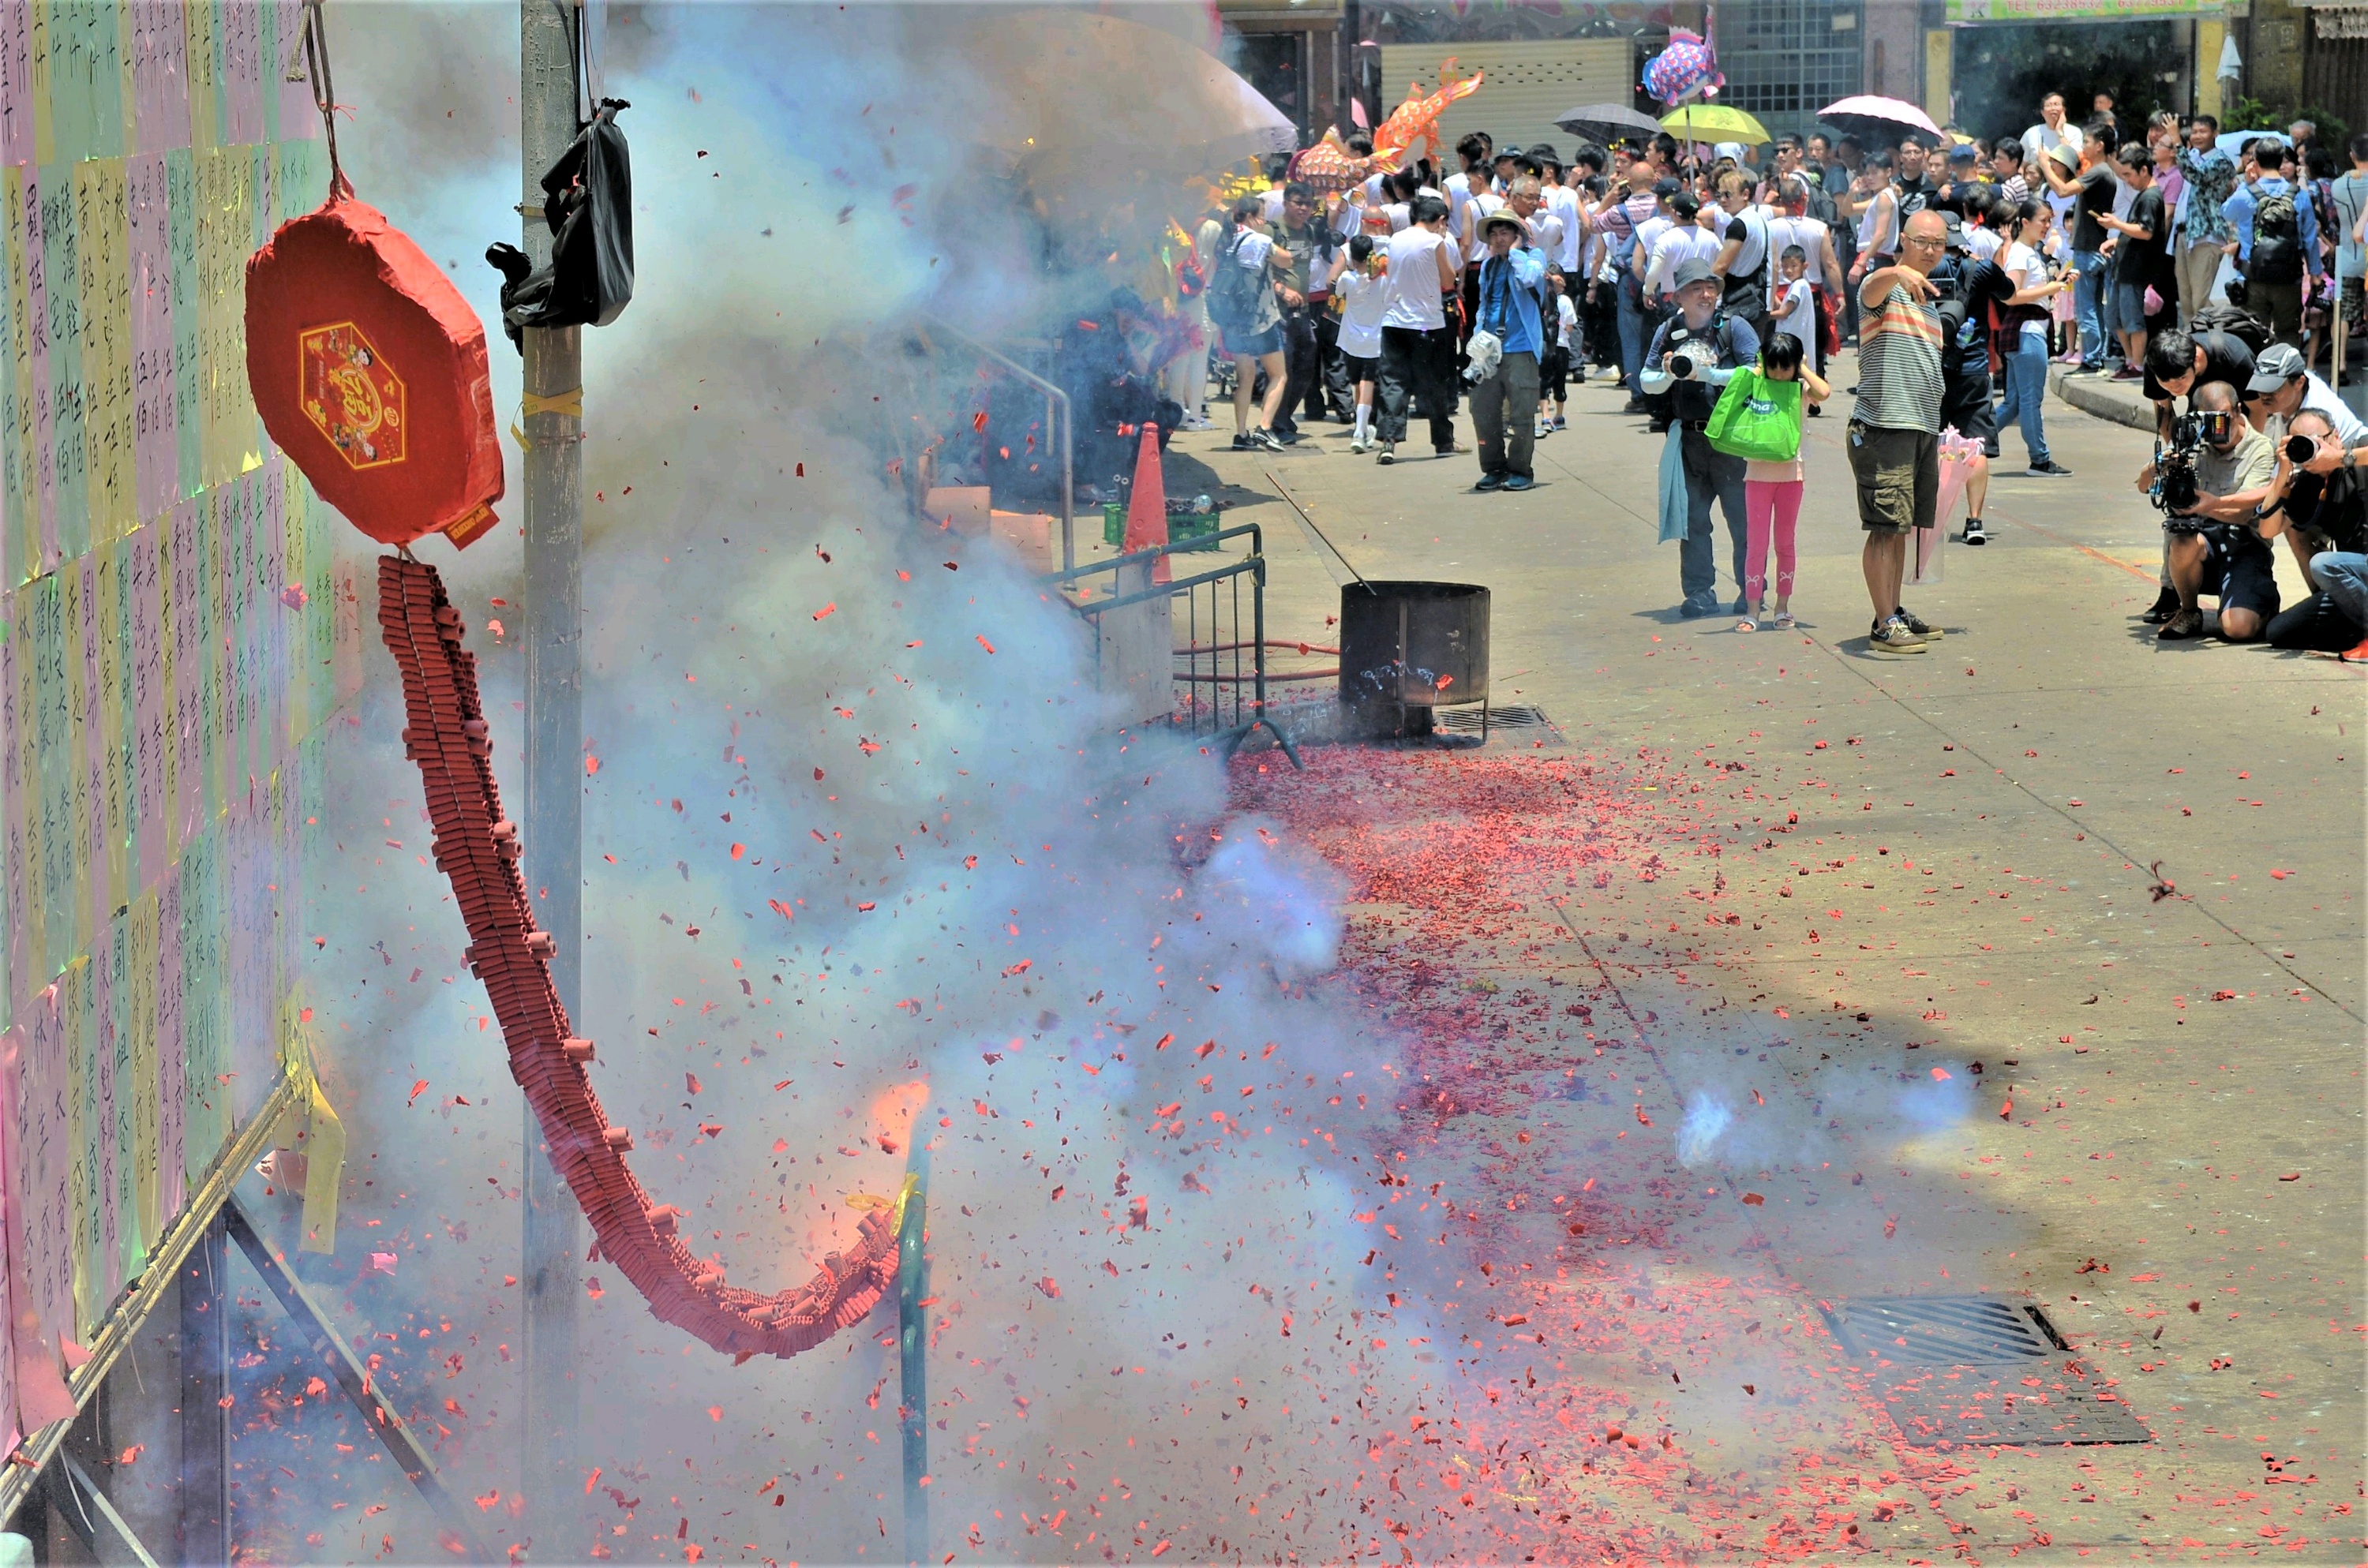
point(477, 849)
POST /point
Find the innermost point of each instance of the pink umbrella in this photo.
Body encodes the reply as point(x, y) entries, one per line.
point(1866, 115)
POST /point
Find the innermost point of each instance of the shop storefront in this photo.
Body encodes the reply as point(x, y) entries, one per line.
point(1993, 63)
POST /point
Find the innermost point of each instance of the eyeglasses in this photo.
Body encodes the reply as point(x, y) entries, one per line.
point(1920, 243)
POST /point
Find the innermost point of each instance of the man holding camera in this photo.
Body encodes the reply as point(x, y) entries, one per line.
point(1693, 355)
point(2218, 471)
point(2283, 386)
point(1512, 289)
point(2320, 501)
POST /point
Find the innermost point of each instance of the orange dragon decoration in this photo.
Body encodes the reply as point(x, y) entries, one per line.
point(1416, 119)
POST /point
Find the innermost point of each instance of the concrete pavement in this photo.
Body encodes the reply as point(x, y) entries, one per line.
point(2121, 876)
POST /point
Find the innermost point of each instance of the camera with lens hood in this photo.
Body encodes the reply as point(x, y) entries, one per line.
point(2174, 492)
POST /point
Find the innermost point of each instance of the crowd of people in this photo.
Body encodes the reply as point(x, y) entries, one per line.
point(2223, 269)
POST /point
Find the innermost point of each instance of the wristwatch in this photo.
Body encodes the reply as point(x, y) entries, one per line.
point(2351, 458)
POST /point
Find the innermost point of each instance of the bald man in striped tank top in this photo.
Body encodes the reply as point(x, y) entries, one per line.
point(1895, 432)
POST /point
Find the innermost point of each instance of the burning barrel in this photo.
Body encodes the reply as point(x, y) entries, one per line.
point(1407, 648)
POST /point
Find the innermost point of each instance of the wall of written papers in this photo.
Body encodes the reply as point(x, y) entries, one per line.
point(178, 630)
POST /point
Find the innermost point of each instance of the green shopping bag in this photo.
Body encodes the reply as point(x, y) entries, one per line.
point(1757, 418)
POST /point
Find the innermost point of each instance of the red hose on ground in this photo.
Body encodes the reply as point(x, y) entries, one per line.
point(477, 847)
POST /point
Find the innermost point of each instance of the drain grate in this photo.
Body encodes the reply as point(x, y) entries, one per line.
point(1941, 1330)
point(1976, 1370)
point(1465, 721)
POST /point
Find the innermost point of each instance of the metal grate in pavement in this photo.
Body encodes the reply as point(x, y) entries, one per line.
point(1515, 715)
point(1976, 1370)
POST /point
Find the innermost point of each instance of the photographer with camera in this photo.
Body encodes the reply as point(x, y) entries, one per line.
point(2207, 480)
point(2283, 386)
point(1693, 357)
point(2320, 501)
point(1504, 370)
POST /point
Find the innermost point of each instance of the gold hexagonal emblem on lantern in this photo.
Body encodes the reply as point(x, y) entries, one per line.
point(352, 395)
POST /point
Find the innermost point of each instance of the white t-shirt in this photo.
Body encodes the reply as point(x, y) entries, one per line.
point(1562, 203)
point(1414, 280)
point(1805, 232)
point(1459, 191)
point(2025, 269)
point(1801, 323)
point(2039, 139)
point(1567, 314)
point(1475, 211)
point(1546, 235)
point(1682, 243)
point(1254, 249)
point(1981, 243)
point(1649, 232)
point(1362, 301)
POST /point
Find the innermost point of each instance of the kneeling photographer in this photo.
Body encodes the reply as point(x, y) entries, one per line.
point(2320, 501)
point(1693, 357)
point(2207, 482)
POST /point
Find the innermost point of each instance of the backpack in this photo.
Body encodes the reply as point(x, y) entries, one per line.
point(2277, 241)
point(2238, 324)
point(1233, 295)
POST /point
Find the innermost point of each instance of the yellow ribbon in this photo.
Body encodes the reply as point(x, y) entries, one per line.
point(569, 403)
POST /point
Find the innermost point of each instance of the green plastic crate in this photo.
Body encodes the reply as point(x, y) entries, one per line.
point(1186, 531)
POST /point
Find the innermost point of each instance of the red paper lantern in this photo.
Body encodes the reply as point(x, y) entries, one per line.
point(369, 368)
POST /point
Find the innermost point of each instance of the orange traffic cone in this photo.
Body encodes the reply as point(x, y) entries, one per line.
point(1147, 507)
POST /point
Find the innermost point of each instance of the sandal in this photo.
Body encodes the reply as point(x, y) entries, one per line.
point(1783, 621)
point(1747, 624)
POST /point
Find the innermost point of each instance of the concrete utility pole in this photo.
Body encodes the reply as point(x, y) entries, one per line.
point(554, 426)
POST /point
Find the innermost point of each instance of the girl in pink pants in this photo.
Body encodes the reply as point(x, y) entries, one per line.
point(1771, 495)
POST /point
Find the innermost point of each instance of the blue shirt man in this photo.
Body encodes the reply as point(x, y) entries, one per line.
point(2247, 200)
point(1512, 288)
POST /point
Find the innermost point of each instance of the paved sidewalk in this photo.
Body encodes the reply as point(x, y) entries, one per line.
point(2123, 876)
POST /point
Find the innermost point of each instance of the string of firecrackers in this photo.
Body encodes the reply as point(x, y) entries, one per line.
point(477, 847)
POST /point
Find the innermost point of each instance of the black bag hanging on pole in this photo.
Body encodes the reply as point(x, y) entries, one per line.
point(589, 201)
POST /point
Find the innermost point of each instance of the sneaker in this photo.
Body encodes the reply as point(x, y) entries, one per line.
point(1974, 532)
point(2357, 655)
point(2166, 605)
point(1288, 437)
point(1242, 443)
point(1488, 481)
point(2187, 623)
point(1360, 444)
point(1389, 453)
point(1891, 639)
point(1816, 412)
point(1560, 423)
point(1747, 624)
point(1783, 621)
point(1544, 428)
point(2129, 373)
point(1633, 406)
point(1518, 482)
point(1195, 422)
point(1264, 439)
point(1909, 618)
point(2051, 468)
point(1450, 451)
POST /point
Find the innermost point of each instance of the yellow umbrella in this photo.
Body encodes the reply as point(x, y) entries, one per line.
point(1713, 122)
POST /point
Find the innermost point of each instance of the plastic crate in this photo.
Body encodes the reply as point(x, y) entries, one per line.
point(1186, 531)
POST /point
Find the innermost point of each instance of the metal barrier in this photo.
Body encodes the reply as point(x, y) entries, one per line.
point(1054, 399)
point(1225, 678)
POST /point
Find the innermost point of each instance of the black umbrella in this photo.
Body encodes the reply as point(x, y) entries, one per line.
point(1608, 122)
